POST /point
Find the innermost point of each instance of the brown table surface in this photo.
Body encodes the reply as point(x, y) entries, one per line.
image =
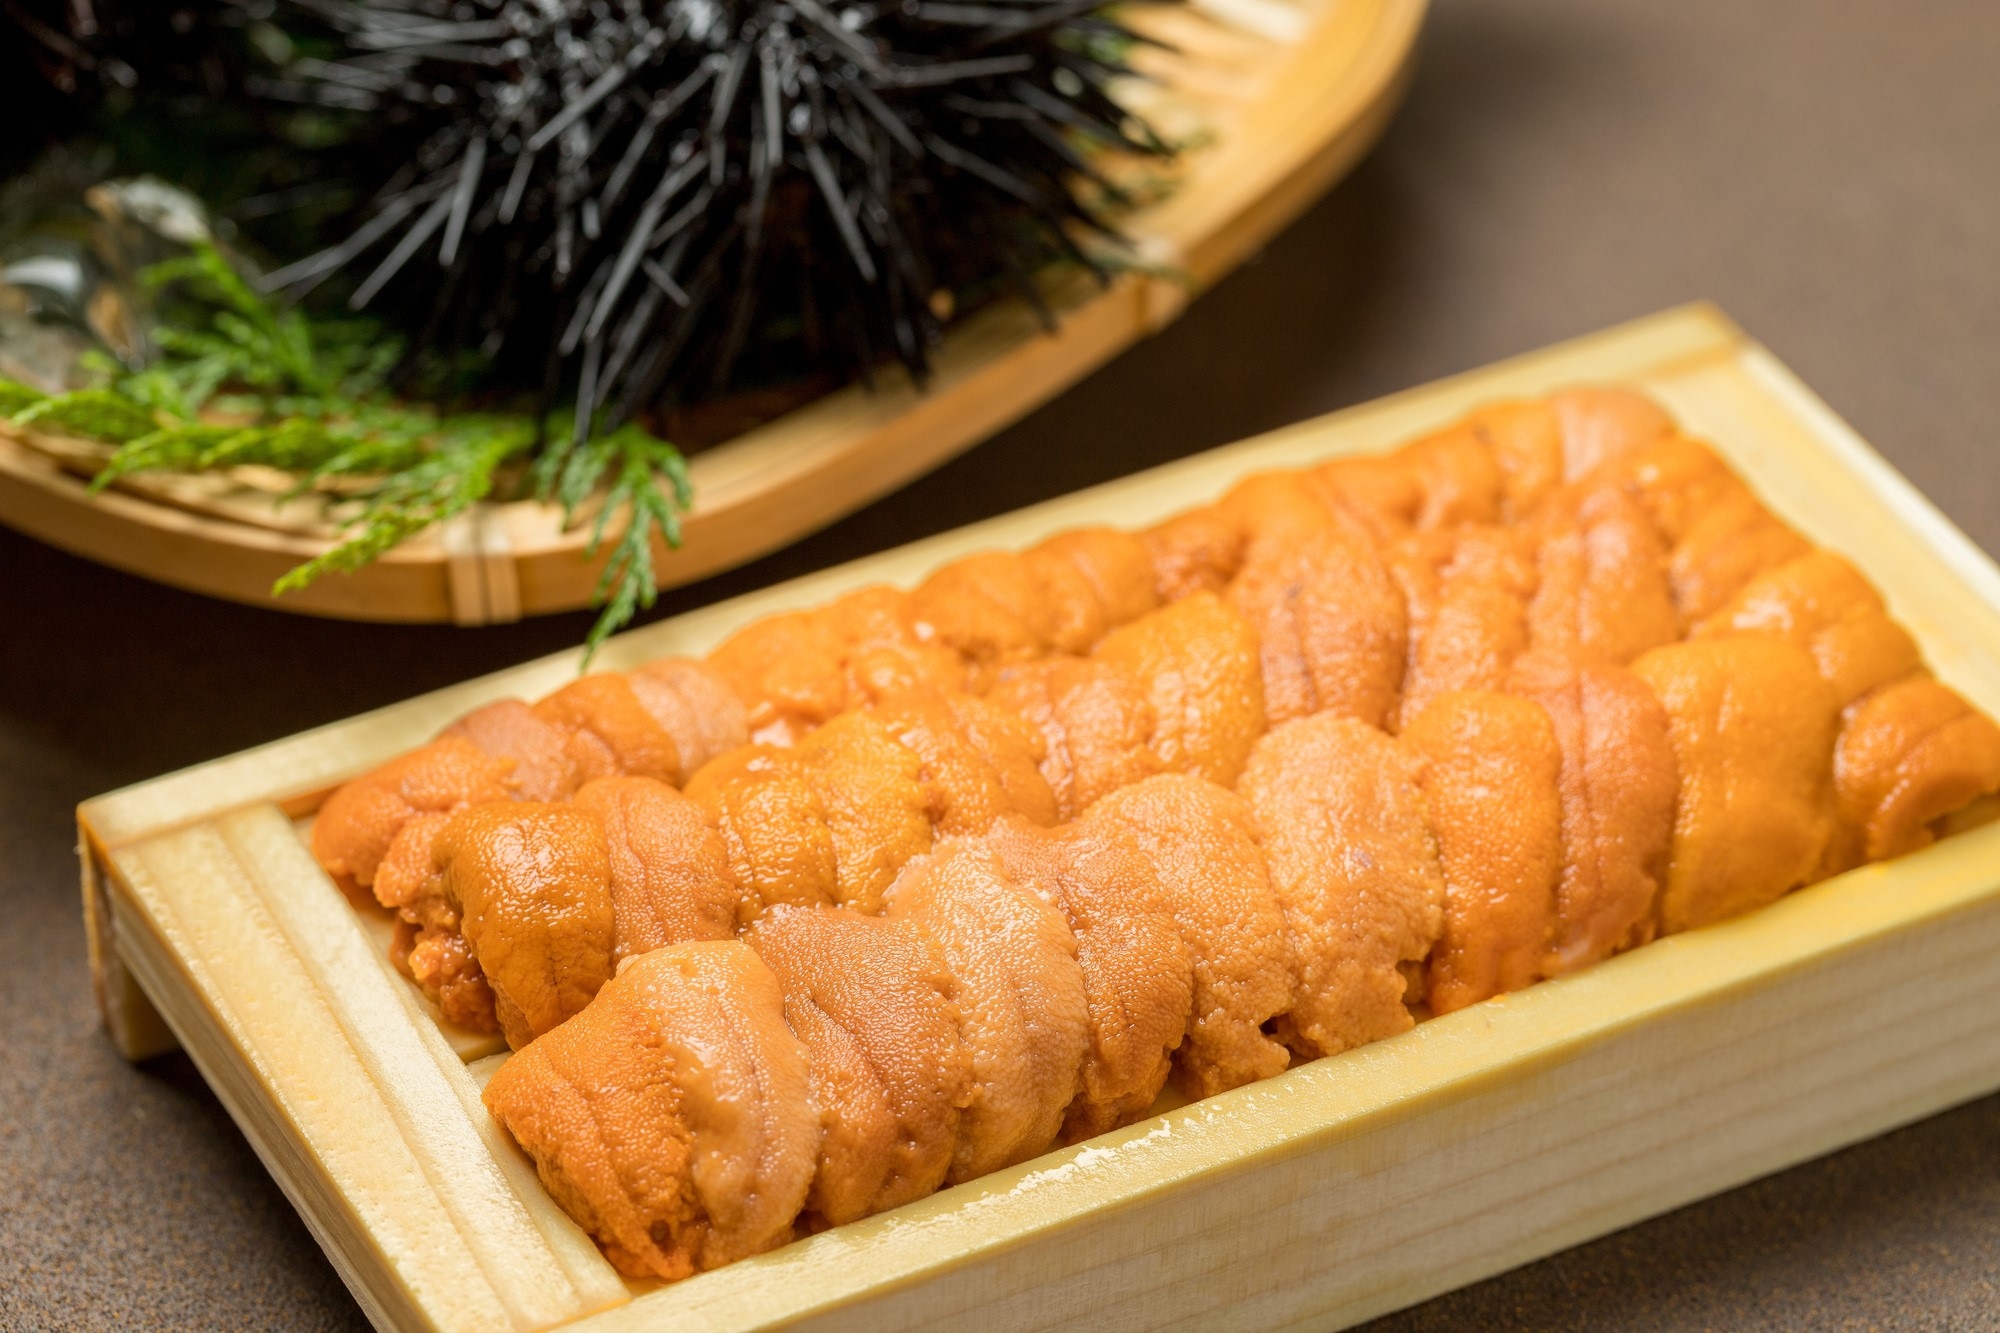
point(1828, 170)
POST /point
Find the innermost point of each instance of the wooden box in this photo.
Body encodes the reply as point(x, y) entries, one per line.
point(1342, 1189)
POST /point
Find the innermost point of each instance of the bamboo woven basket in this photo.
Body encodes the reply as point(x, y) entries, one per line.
point(1342, 1189)
point(1281, 97)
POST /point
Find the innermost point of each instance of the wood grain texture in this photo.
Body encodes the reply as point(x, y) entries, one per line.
point(1341, 1189)
point(1309, 106)
point(286, 1006)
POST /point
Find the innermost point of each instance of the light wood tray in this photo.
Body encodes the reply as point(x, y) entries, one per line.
point(1339, 1190)
point(1283, 97)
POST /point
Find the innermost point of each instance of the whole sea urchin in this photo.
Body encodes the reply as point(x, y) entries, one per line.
point(633, 205)
point(641, 199)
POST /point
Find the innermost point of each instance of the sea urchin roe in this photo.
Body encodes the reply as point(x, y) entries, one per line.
point(1214, 880)
point(1729, 543)
point(695, 705)
point(990, 609)
point(671, 1118)
point(876, 778)
point(1604, 425)
point(886, 649)
point(1136, 973)
point(830, 819)
point(1095, 722)
point(1526, 439)
point(427, 946)
point(440, 962)
point(1075, 615)
point(1489, 767)
point(610, 731)
point(1197, 551)
point(1355, 869)
point(877, 809)
point(788, 670)
point(1440, 481)
point(1673, 478)
point(1466, 633)
point(1279, 508)
point(1116, 569)
point(1197, 660)
point(669, 873)
point(1753, 728)
point(1458, 479)
point(976, 760)
point(1601, 575)
point(357, 824)
point(1821, 603)
point(889, 1073)
point(1618, 789)
point(509, 729)
point(1909, 754)
point(532, 886)
point(773, 826)
point(1017, 990)
point(1332, 626)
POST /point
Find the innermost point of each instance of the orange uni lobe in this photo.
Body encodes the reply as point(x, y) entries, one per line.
point(532, 884)
point(1489, 769)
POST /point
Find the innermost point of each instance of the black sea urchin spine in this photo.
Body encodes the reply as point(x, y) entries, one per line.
point(631, 199)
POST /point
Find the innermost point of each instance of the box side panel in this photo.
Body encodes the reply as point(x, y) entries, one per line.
point(130, 1018)
point(338, 1092)
point(544, 1269)
point(229, 1023)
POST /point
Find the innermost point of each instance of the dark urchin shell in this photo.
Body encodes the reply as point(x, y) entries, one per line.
point(645, 201)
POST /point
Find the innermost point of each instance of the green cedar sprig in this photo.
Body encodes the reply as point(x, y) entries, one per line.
point(94, 414)
point(250, 344)
point(637, 465)
point(238, 382)
point(18, 398)
point(456, 470)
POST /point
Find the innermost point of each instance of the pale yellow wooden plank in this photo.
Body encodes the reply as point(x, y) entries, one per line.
point(130, 1020)
point(380, 928)
point(387, 1032)
point(327, 1216)
point(1475, 1142)
point(595, 1280)
point(1845, 449)
point(290, 1060)
point(597, 1284)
